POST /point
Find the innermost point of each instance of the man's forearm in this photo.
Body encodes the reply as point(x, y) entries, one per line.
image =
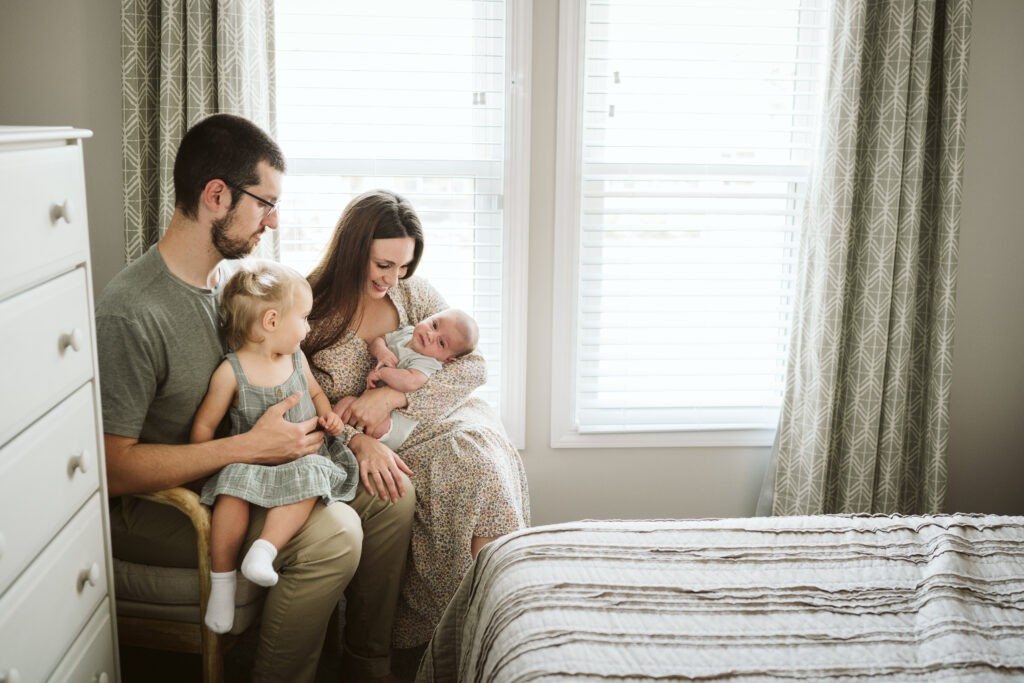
point(134, 467)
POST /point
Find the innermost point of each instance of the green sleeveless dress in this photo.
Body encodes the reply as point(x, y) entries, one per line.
point(331, 474)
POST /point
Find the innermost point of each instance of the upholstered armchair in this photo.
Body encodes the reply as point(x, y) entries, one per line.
point(162, 608)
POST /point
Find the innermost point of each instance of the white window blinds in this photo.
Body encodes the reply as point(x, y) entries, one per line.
point(408, 96)
point(694, 124)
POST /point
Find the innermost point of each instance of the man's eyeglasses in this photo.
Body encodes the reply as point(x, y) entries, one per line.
point(269, 207)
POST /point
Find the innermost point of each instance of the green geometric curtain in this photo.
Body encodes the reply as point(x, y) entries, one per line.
point(184, 60)
point(864, 423)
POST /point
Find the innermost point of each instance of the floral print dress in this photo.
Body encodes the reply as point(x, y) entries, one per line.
point(468, 476)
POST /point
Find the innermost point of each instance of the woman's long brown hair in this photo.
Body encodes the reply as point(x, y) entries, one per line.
point(339, 279)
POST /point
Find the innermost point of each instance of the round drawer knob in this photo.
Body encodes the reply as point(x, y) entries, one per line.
point(79, 462)
point(63, 212)
point(102, 677)
point(73, 339)
point(89, 576)
point(10, 676)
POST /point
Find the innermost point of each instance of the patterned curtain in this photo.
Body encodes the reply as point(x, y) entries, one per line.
point(184, 60)
point(864, 425)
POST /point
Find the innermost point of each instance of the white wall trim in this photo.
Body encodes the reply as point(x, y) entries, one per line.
point(515, 259)
point(567, 193)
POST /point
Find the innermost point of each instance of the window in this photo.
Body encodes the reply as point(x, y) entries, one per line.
point(686, 132)
point(427, 99)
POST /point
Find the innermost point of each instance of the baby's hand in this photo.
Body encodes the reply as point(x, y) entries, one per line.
point(372, 378)
point(331, 423)
point(386, 360)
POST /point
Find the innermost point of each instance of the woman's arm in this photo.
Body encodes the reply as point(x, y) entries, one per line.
point(452, 385)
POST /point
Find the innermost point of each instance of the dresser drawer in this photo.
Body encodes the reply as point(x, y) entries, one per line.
point(91, 658)
point(46, 473)
point(46, 608)
point(44, 229)
point(41, 368)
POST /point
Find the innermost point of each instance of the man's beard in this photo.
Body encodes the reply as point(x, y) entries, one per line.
point(226, 246)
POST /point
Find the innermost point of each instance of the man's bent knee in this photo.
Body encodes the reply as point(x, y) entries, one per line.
point(333, 534)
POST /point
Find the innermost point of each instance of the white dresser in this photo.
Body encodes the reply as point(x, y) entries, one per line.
point(56, 597)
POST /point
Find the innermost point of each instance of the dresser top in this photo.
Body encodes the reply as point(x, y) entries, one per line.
point(19, 134)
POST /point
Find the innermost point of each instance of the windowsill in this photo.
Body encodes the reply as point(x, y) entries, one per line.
point(681, 438)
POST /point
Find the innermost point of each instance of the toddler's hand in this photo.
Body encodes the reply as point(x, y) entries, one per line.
point(331, 423)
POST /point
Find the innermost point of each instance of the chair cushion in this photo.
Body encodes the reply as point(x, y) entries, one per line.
point(245, 615)
point(143, 583)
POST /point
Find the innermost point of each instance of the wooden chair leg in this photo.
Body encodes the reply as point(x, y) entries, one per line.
point(210, 644)
point(213, 657)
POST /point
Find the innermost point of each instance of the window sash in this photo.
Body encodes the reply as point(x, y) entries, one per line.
point(671, 320)
point(434, 108)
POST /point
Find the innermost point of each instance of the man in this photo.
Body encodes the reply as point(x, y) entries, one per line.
point(158, 344)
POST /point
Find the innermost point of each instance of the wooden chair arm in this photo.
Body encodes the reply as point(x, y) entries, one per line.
point(187, 502)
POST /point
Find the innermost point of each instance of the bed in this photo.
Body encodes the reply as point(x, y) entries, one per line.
point(821, 598)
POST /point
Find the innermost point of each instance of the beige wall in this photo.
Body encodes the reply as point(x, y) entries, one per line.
point(986, 450)
point(60, 64)
point(80, 85)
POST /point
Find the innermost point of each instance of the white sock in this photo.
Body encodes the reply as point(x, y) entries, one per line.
point(220, 610)
point(258, 565)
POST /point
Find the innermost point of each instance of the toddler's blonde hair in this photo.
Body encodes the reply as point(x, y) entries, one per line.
point(257, 286)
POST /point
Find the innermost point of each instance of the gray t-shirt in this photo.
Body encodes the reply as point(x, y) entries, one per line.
point(158, 343)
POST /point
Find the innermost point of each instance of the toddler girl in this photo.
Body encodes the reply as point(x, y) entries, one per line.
point(263, 315)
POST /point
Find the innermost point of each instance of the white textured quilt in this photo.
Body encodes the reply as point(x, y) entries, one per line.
point(826, 598)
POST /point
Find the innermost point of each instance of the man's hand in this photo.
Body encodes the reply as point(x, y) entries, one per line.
point(278, 441)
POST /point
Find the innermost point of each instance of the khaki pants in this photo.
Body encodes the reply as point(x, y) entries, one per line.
point(315, 567)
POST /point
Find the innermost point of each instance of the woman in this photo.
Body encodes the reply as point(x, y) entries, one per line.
point(469, 479)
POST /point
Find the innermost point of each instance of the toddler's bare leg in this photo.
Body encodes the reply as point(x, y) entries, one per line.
point(227, 531)
point(280, 526)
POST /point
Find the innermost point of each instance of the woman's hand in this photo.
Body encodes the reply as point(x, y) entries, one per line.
point(379, 468)
point(372, 407)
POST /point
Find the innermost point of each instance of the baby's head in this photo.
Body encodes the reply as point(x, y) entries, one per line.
point(446, 335)
point(257, 287)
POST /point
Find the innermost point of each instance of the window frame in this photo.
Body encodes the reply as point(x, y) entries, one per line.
point(565, 290)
